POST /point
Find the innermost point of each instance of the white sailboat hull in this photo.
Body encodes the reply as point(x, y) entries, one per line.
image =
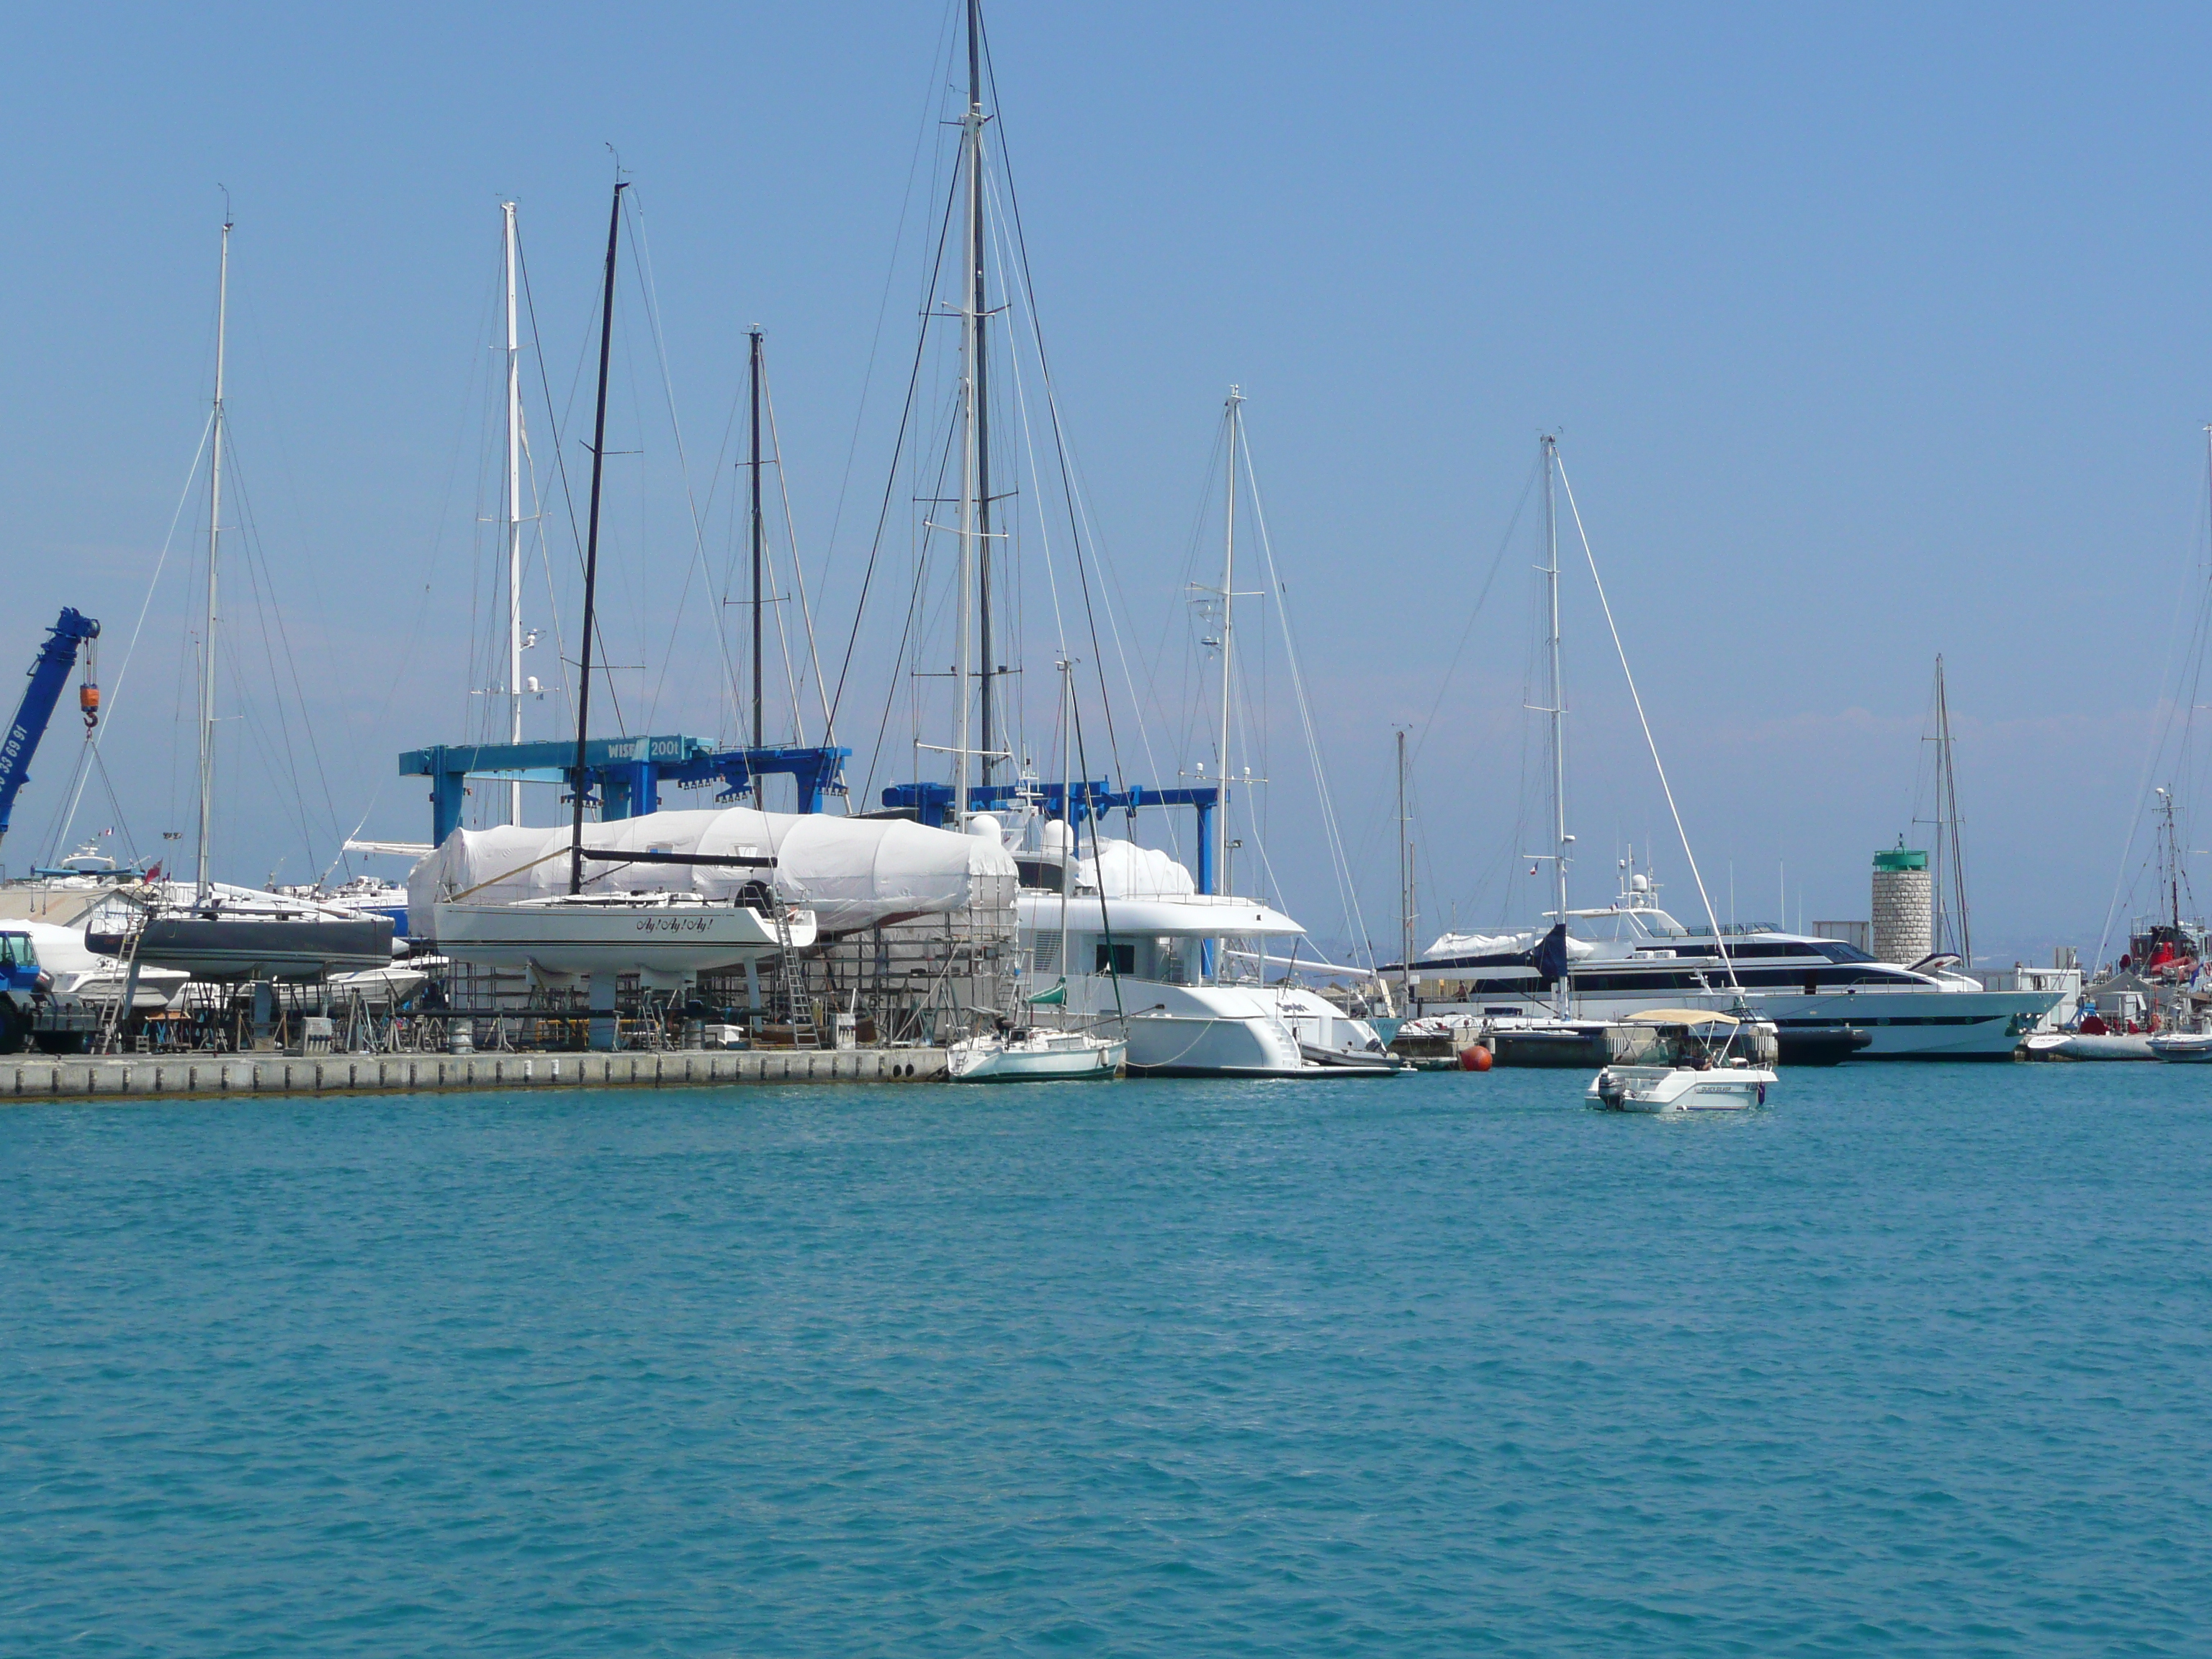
point(598, 937)
point(1041, 1057)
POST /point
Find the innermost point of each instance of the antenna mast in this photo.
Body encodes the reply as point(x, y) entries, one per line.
point(202, 888)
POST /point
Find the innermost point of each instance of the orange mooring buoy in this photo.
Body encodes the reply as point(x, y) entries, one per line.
point(1474, 1058)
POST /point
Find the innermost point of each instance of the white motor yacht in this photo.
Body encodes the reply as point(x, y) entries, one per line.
point(1630, 955)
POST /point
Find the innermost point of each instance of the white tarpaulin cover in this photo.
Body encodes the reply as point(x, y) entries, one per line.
point(1129, 871)
point(1494, 944)
point(852, 872)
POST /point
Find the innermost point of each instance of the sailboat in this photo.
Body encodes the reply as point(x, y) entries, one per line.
point(1041, 1053)
point(597, 930)
point(1546, 994)
point(1185, 970)
point(213, 931)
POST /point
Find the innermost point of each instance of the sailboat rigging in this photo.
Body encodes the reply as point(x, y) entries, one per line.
point(1953, 932)
point(1552, 990)
point(664, 936)
point(221, 932)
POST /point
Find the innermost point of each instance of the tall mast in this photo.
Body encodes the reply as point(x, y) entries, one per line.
point(514, 517)
point(202, 888)
point(582, 781)
point(759, 548)
point(971, 359)
point(1562, 840)
point(2173, 867)
point(981, 370)
point(1228, 607)
point(1404, 885)
point(1949, 881)
point(1070, 852)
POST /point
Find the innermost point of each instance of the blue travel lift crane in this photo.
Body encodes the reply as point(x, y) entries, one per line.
point(57, 657)
point(24, 1014)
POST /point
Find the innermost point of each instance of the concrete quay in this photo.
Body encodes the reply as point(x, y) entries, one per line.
point(141, 1077)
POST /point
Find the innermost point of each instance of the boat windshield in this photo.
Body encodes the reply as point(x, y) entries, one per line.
point(1626, 922)
point(1836, 950)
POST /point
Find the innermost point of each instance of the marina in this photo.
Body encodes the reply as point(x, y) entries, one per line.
point(1001, 888)
point(1406, 867)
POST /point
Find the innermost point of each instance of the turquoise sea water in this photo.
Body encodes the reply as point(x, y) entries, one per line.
point(1914, 1361)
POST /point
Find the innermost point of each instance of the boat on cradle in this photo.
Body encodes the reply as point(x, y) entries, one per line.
point(367, 896)
point(596, 929)
point(830, 876)
point(226, 935)
point(656, 934)
point(206, 929)
point(1036, 1056)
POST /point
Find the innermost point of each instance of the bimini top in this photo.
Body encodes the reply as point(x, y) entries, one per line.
point(1679, 1016)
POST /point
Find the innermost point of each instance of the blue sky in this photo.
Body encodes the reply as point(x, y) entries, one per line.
point(1870, 335)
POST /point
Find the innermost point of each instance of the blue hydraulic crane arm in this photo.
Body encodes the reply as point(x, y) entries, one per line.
point(48, 675)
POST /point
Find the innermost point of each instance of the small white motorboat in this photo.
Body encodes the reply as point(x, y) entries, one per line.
point(1037, 1055)
point(2182, 1046)
point(1691, 1070)
point(1735, 1087)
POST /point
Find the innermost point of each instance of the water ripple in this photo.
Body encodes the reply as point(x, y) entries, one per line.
point(1915, 1361)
